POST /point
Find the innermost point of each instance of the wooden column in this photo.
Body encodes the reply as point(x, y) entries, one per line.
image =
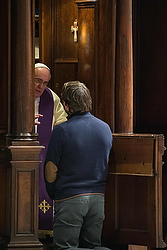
point(87, 45)
point(23, 144)
point(105, 108)
point(22, 68)
point(124, 68)
point(124, 71)
point(124, 74)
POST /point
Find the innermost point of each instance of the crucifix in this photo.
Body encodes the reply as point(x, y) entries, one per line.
point(74, 29)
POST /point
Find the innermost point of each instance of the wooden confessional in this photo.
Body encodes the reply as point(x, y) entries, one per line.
point(109, 45)
point(107, 58)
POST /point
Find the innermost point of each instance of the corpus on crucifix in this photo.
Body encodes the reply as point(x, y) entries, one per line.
point(74, 29)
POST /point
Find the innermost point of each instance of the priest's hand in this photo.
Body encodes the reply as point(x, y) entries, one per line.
point(36, 117)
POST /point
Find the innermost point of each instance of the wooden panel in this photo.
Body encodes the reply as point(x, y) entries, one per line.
point(134, 203)
point(66, 13)
point(134, 206)
point(87, 19)
point(65, 50)
point(45, 31)
point(4, 186)
point(65, 70)
point(25, 207)
point(133, 156)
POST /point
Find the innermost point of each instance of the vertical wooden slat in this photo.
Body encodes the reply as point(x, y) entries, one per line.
point(45, 32)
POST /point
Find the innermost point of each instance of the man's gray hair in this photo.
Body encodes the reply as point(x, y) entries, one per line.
point(77, 96)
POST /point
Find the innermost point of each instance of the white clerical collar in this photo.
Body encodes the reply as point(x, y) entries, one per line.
point(37, 99)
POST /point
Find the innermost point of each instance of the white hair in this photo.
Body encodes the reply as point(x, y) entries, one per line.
point(41, 65)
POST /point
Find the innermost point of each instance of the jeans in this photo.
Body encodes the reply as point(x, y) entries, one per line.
point(78, 222)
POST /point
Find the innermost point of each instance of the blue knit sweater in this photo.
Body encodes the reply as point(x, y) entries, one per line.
point(80, 149)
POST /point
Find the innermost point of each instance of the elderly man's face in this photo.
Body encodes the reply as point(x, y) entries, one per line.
point(42, 78)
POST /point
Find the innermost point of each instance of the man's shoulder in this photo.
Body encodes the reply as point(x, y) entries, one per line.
point(63, 124)
point(61, 128)
point(98, 120)
point(100, 124)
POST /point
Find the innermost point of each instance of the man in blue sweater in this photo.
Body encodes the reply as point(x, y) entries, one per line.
point(75, 171)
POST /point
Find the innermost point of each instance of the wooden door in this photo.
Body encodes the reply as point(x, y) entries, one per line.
point(57, 47)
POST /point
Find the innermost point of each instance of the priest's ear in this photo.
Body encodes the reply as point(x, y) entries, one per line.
point(66, 107)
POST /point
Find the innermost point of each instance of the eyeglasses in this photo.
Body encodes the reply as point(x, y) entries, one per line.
point(40, 81)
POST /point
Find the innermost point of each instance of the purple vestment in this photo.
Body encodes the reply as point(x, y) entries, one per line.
point(46, 107)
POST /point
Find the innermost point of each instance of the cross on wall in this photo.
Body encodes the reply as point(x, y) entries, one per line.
point(74, 29)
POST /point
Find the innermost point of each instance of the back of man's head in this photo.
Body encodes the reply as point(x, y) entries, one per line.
point(77, 96)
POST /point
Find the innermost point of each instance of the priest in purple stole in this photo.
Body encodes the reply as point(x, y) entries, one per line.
point(48, 112)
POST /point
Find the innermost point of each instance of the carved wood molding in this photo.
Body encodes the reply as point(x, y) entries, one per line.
point(66, 60)
point(86, 3)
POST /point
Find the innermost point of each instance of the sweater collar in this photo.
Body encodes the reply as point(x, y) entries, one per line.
point(77, 114)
